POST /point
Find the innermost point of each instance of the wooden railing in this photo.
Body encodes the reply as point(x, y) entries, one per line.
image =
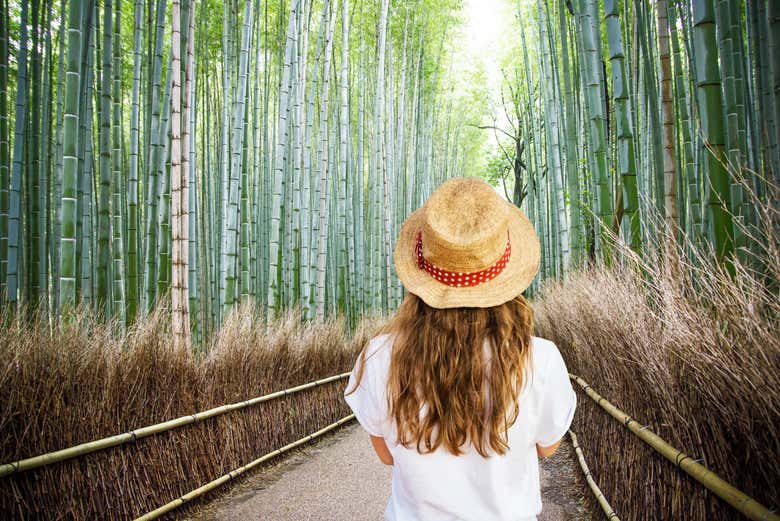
point(724, 490)
point(119, 439)
point(136, 434)
point(733, 496)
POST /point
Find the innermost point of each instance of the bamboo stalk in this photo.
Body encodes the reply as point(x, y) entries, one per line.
point(605, 506)
point(120, 439)
point(237, 472)
point(731, 495)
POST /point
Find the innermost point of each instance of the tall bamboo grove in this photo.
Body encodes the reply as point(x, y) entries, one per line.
point(213, 152)
point(633, 110)
point(217, 152)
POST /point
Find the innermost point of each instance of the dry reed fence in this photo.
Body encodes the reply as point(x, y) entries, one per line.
point(90, 382)
point(692, 352)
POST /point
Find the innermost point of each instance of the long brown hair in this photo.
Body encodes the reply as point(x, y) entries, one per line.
point(438, 361)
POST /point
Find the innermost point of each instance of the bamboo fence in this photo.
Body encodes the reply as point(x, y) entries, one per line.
point(605, 506)
point(211, 485)
point(120, 439)
point(736, 498)
point(724, 490)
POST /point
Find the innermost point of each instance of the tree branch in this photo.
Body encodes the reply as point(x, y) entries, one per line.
point(485, 127)
point(503, 182)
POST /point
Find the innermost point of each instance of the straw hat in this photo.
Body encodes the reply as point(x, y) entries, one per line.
point(466, 247)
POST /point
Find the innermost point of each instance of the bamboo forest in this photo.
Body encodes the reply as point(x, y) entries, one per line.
point(270, 152)
point(200, 200)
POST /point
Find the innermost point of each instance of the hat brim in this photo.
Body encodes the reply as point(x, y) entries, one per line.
point(513, 279)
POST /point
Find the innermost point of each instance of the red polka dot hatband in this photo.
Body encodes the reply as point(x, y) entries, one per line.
point(458, 279)
point(466, 247)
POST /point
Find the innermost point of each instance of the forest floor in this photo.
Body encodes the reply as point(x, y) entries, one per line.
point(339, 477)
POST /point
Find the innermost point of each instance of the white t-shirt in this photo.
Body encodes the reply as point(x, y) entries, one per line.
point(442, 487)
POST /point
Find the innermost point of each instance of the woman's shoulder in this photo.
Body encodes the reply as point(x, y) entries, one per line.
point(385, 340)
point(543, 352)
point(378, 350)
point(380, 344)
point(543, 345)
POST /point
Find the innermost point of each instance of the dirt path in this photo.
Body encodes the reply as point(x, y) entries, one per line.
point(340, 478)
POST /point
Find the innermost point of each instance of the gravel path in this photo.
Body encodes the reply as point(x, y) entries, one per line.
point(340, 478)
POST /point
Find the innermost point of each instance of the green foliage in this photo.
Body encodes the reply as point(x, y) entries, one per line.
point(497, 170)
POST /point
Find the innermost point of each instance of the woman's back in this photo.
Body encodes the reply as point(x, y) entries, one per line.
point(458, 394)
point(440, 486)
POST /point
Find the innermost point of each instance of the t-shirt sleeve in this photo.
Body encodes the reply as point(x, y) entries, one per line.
point(558, 401)
point(363, 401)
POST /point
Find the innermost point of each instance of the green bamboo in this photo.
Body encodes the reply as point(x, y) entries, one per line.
point(345, 254)
point(34, 250)
point(626, 164)
point(44, 246)
point(552, 116)
point(358, 185)
point(274, 291)
point(102, 288)
point(667, 116)
point(594, 103)
point(258, 135)
point(14, 209)
point(56, 195)
point(308, 248)
point(324, 204)
point(773, 17)
point(86, 218)
point(764, 47)
point(162, 166)
point(155, 146)
point(379, 202)
point(296, 217)
point(118, 194)
point(4, 150)
point(691, 210)
point(735, 153)
point(5, 155)
point(188, 173)
point(179, 196)
point(230, 224)
point(132, 188)
point(654, 154)
point(224, 153)
point(265, 184)
point(576, 231)
point(84, 205)
point(708, 91)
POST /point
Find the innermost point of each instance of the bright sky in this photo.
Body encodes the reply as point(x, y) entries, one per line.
point(479, 47)
point(488, 24)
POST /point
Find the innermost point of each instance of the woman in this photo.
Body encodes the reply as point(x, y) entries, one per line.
point(456, 393)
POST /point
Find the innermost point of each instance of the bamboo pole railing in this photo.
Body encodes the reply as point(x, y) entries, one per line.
point(724, 490)
point(211, 485)
point(119, 439)
point(594, 487)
